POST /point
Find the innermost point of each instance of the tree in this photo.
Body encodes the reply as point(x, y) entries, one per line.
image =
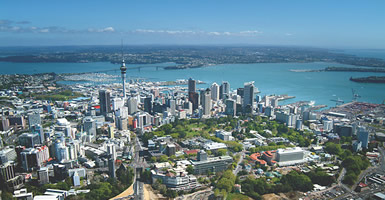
point(333, 148)
point(299, 182)
point(163, 158)
point(221, 152)
point(190, 169)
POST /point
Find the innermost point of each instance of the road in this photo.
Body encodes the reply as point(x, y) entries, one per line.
point(238, 168)
point(138, 164)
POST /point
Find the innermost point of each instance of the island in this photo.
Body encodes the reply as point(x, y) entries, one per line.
point(369, 79)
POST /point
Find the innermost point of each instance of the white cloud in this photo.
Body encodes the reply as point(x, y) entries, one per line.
point(288, 34)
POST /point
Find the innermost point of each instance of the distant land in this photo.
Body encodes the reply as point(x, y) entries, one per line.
point(184, 56)
point(342, 69)
point(369, 79)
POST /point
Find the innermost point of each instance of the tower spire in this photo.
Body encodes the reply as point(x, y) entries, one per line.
point(123, 70)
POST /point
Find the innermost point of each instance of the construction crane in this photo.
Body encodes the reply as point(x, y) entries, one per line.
point(355, 95)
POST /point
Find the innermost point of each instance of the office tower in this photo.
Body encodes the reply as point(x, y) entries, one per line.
point(258, 98)
point(43, 176)
point(60, 172)
point(132, 106)
point(194, 99)
point(111, 131)
point(206, 102)
point(148, 104)
point(363, 137)
point(111, 150)
point(269, 111)
point(172, 106)
point(7, 171)
point(76, 179)
point(29, 139)
point(230, 107)
point(105, 102)
point(248, 97)
point(215, 91)
point(34, 119)
point(4, 124)
point(240, 92)
point(123, 70)
point(89, 125)
point(17, 121)
point(111, 168)
point(274, 102)
point(38, 129)
point(117, 103)
point(191, 85)
point(7, 154)
point(224, 90)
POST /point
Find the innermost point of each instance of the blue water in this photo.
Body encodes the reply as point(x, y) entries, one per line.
point(269, 78)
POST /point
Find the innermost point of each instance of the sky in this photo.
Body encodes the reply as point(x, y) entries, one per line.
point(316, 23)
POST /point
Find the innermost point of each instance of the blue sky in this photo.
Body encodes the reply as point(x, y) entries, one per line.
point(326, 23)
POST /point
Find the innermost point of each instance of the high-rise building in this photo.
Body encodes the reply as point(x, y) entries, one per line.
point(4, 124)
point(206, 103)
point(7, 154)
point(132, 106)
point(111, 150)
point(194, 99)
point(105, 102)
point(123, 70)
point(43, 175)
point(248, 96)
point(89, 125)
point(215, 91)
point(111, 131)
point(34, 119)
point(29, 140)
point(224, 90)
point(34, 158)
point(7, 171)
point(231, 107)
point(111, 168)
point(240, 92)
point(60, 172)
point(191, 85)
point(148, 104)
point(172, 106)
point(363, 137)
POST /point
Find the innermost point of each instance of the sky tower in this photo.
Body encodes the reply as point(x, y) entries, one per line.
point(123, 70)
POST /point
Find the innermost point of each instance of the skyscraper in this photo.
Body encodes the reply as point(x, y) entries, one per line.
point(172, 106)
point(191, 85)
point(248, 96)
point(105, 102)
point(89, 126)
point(215, 91)
point(132, 106)
point(230, 107)
point(111, 168)
point(34, 119)
point(148, 104)
point(224, 90)
point(123, 70)
point(363, 137)
point(206, 102)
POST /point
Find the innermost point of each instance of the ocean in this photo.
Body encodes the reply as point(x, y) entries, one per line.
point(270, 78)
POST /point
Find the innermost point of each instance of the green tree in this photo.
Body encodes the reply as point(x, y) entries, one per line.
point(190, 169)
